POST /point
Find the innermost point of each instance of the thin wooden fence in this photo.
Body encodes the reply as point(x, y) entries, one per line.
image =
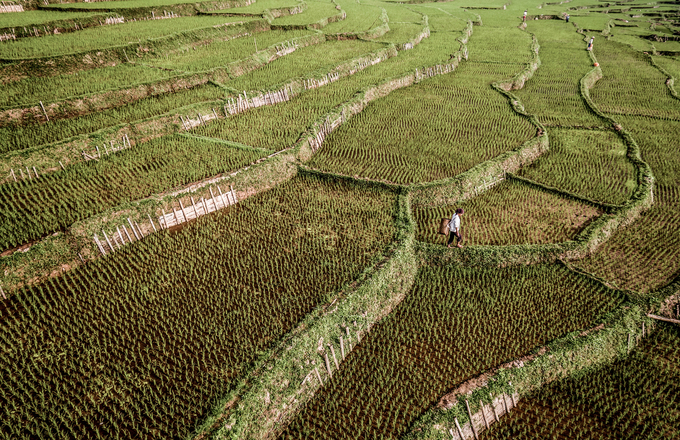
point(112, 147)
point(485, 417)
point(131, 231)
point(8, 7)
point(329, 357)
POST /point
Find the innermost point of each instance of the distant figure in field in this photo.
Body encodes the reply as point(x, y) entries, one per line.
point(590, 45)
point(524, 17)
point(454, 228)
point(567, 18)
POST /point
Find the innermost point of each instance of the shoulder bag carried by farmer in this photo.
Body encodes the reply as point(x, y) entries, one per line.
point(454, 228)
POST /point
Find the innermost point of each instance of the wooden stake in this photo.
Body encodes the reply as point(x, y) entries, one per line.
point(186, 219)
point(175, 214)
point(3, 293)
point(108, 241)
point(328, 364)
point(460, 431)
point(184, 123)
point(643, 329)
point(342, 348)
point(62, 166)
point(127, 234)
point(349, 339)
point(81, 258)
point(194, 205)
point(98, 153)
point(213, 198)
point(13, 176)
point(141, 234)
point(472, 423)
point(512, 397)
point(205, 206)
point(215, 113)
point(164, 220)
point(493, 407)
point(29, 173)
point(36, 175)
point(224, 204)
point(318, 376)
point(486, 422)
point(43, 109)
point(335, 360)
point(505, 404)
point(233, 193)
point(661, 318)
point(133, 228)
point(120, 236)
point(152, 225)
point(99, 245)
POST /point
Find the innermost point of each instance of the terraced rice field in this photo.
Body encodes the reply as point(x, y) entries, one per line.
point(498, 217)
point(220, 219)
point(583, 407)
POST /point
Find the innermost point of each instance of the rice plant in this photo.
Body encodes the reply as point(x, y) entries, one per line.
point(453, 325)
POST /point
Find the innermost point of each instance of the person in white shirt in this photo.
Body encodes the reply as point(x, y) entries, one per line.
point(454, 228)
point(524, 17)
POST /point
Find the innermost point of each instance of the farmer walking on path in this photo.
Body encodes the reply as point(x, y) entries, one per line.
point(590, 45)
point(524, 17)
point(567, 18)
point(454, 228)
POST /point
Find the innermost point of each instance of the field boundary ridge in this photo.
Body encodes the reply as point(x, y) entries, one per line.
point(289, 374)
point(610, 339)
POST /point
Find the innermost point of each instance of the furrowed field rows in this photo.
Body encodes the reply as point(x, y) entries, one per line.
point(438, 48)
point(317, 10)
point(26, 135)
point(632, 399)
point(553, 94)
point(589, 163)
point(278, 127)
point(631, 85)
point(443, 17)
point(33, 208)
point(303, 63)
point(13, 138)
point(453, 325)
point(510, 213)
point(400, 14)
point(500, 45)
point(672, 66)
point(102, 37)
point(646, 254)
point(119, 4)
point(360, 18)
point(141, 344)
point(259, 7)
point(433, 130)
point(430, 50)
point(198, 58)
point(401, 32)
point(29, 91)
point(28, 18)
